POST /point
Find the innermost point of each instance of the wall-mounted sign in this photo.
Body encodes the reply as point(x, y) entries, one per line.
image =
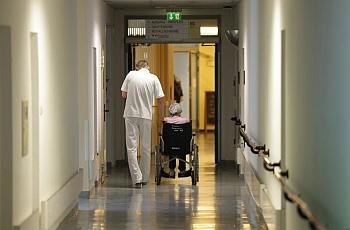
point(166, 30)
point(173, 16)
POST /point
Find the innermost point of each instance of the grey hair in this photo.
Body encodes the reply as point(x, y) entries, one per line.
point(142, 64)
point(175, 109)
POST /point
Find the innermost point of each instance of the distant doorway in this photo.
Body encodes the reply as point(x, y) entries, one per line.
point(193, 66)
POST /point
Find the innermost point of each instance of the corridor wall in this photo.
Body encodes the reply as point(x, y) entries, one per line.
point(59, 178)
point(317, 111)
point(295, 102)
point(260, 59)
point(58, 98)
point(93, 16)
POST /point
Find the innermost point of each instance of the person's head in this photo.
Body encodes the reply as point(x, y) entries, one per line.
point(175, 109)
point(142, 64)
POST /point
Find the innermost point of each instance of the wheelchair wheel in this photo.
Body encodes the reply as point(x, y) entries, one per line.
point(194, 171)
point(194, 177)
point(158, 173)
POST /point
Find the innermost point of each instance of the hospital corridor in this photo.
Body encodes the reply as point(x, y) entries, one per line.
point(219, 201)
point(174, 114)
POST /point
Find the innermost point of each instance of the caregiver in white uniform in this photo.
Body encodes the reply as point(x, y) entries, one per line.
point(140, 87)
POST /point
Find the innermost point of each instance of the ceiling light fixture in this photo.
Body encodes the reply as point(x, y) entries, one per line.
point(209, 31)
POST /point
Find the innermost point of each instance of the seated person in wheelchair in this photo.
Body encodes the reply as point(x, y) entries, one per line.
point(175, 111)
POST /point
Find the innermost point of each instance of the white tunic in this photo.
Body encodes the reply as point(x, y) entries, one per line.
point(142, 87)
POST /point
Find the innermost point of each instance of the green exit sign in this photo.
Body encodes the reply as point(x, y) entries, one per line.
point(173, 16)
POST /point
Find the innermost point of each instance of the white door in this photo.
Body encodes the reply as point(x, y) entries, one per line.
point(5, 129)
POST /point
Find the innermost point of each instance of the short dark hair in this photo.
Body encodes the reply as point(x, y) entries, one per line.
point(141, 64)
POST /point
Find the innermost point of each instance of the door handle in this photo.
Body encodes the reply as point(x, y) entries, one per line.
point(104, 112)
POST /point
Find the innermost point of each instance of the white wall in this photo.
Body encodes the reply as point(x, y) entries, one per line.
point(228, 71)
point(58, 95)
point(21, 91)
point(311, 133)
point(260, 38)
point(92, 18)
point(56, 25)
point(228, 21)
point(317, 111)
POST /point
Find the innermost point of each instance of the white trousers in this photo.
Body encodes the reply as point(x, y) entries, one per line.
point(138, 129)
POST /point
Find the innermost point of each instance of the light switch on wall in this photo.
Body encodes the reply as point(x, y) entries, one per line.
point(24, 128)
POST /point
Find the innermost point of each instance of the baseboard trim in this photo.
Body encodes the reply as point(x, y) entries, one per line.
point(32, 222)
point(259, 193)
point(57, 207)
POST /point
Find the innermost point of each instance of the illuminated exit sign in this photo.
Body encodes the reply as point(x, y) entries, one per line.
point(173, 16)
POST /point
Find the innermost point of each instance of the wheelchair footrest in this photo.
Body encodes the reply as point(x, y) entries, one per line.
point(185, 174)
point(166, 175)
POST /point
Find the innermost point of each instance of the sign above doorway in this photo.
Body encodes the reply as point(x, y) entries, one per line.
point(166, 30)
point(161, 30)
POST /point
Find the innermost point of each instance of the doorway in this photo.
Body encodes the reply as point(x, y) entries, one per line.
point(5, 129)
point(194, 66)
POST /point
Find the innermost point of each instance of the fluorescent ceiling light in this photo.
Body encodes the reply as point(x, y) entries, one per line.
point(209, 31)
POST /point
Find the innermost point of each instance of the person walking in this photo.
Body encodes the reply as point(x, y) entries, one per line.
point(140, 87)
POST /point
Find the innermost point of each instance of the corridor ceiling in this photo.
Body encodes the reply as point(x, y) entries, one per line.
point(171, 3)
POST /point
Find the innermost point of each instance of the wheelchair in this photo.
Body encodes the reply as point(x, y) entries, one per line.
point(177, 140)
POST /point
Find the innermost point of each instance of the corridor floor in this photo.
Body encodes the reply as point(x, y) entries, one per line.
point(219, 201)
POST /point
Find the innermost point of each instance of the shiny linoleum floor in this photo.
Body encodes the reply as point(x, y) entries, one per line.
point(219, 201)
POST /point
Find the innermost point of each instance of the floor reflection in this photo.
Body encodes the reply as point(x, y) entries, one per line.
point(219, 201)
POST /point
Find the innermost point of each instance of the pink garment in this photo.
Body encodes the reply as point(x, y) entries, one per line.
point(176, 120)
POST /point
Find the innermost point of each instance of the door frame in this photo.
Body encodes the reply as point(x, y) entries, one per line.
point(215, 39)
point(217, 103)
point(128, 67)
point(34, 59)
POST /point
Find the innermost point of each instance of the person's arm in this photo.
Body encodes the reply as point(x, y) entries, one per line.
point(124, 94)
point(124, 88)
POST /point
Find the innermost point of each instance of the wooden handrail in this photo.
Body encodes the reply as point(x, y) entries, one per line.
point(275, 167)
